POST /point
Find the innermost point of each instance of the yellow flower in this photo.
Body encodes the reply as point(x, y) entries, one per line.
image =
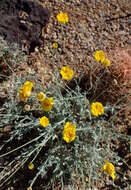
point(23, 94)
point(55, 45)
point(47, 104)
point(69, 132)
point(62, 18)
point(66, 73)
point(106, 62)
point(25, 90)
point(44, 121)
point(29, 84)
point(31, 166)
point(99, 56)
point(97, 109)
point(110, 169)
point(41, 96)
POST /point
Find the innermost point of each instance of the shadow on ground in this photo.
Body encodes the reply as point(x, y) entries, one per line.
point(22, 22)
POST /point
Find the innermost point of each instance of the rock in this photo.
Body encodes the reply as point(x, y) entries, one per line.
point(129, 21)
point(22, 22)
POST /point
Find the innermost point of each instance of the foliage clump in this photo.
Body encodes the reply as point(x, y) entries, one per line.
point(59, 135)
point(10, 57)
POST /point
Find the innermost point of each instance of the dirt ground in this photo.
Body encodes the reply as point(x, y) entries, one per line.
point(93, 24)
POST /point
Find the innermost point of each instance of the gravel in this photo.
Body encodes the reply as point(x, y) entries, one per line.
point(92, 25)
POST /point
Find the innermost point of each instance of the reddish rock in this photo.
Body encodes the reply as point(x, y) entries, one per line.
point(122, 58)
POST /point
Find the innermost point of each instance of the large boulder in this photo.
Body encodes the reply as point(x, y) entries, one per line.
point(22, 22)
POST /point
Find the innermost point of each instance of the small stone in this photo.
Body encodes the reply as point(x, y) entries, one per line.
point(115, 81)
point(129, 21)
point(129, 41)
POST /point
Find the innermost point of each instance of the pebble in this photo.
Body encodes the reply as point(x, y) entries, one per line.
point(129, 21)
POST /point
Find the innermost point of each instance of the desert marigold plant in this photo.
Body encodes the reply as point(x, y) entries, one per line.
point(30, 166)
point(67, 73)
point(55, 45)
point(29, 84)
point(40, 96)
point(99, 56)
point(97, 109)
point(109, 168)
point(47, 104)
point(69, 133)
point(25, 90)
point(44, 121)
point(62, 17)
point(106, 62)
point(66, 141)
